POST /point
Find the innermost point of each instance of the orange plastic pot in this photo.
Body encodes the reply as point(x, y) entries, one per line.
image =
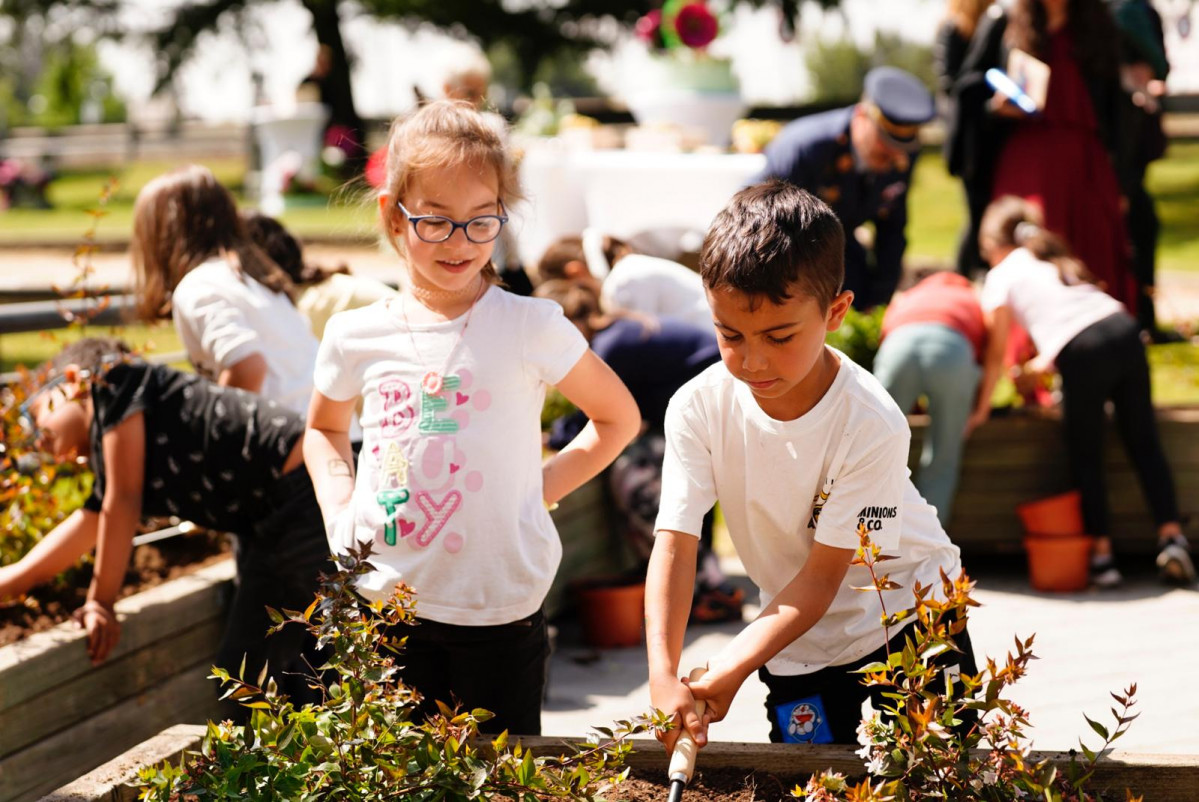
point(1059, 563)
point(613, 615)
point(1056, 515)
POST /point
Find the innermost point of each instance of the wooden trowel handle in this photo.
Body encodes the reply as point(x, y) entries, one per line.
point(682, 760)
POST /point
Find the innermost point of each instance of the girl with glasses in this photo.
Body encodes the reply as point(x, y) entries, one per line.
point(450, 488)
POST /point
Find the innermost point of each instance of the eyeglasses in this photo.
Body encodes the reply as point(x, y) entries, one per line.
point(435, 228)
point(25, 412)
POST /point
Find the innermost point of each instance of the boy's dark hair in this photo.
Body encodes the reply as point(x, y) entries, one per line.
point(92, 354)
point(772, 237)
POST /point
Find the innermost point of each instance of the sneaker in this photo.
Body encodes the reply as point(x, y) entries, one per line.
point(1104, 573)
point(1174, 563)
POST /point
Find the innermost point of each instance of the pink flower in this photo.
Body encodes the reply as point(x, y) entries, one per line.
point(649, 27)
point(696, 25)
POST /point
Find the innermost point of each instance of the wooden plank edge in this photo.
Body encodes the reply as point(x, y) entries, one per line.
point(1182, 771)
point(48, 659)
point(39, 769)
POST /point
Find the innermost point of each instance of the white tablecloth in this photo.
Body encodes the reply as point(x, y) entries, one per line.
point(623, 193)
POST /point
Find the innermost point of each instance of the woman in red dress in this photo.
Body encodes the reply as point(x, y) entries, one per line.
point(1070, 158)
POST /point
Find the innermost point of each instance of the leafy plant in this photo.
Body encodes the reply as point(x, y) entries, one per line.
point(838, 68)
point(925, 743)
point(36, 494)
point(859, 335)
point(366, 740)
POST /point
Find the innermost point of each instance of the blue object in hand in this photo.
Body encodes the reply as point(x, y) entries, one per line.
point(1000, 81)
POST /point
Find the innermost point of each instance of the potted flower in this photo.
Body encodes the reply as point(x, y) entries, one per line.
point(680, 82)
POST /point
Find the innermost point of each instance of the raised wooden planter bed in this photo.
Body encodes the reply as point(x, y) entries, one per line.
point(1161, 778)
point(61, 717)
point(1019, 458)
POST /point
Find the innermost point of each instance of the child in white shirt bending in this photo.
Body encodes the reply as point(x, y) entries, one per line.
point(801, 447)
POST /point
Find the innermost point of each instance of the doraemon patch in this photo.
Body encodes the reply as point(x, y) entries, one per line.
point(804, 722)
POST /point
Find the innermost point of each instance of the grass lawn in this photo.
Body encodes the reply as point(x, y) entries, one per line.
point(32, 348)
point(935, 207)
point(343, 213)
point(936, 210)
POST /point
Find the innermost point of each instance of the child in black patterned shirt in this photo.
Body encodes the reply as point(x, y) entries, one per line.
point(161, 442)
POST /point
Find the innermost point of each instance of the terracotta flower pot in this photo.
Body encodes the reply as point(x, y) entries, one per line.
point(1059, 563)
point(1055, 515)
point(612, 613)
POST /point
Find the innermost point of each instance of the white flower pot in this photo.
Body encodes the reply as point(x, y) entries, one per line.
point(689, 91)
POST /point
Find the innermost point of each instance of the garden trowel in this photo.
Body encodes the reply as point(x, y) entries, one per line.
point(682, 760)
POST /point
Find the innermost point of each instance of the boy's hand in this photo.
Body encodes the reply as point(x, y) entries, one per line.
point(103, 630)
point(716, 689)
point(672, 696)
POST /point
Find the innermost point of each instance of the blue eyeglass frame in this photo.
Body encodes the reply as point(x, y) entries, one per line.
point(454, 224)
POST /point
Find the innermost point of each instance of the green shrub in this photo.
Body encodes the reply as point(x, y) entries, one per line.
point(366, 740)
point(34, 496)
point(925, 749)
point(859, 335)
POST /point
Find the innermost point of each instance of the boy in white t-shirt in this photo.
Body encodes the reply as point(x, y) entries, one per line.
point(800, 445)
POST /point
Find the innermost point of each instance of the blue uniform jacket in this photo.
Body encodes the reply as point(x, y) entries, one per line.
point(815, 153)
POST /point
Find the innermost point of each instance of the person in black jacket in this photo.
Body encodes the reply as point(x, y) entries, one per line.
point(949, 52)
point(1144, 69)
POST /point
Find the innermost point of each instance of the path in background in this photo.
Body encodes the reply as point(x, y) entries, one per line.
point(23, 269)
point(1089, 644)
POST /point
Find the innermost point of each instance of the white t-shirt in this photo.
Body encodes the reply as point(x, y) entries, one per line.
point(223, 317)
point(1052, 312)
point(784, 485)
point(449, 485)
point(337, 293)
point(658, 288)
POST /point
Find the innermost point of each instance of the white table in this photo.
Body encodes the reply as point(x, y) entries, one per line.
point(624, 193)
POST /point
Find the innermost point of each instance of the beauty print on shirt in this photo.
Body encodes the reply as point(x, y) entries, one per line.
point(421, 476)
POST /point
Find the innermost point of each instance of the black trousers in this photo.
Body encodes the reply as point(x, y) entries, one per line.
point(1143, 227)
point(825, 707)
point(978, 196)
point(278, 564)
point(500, 668)
point(1106, 361)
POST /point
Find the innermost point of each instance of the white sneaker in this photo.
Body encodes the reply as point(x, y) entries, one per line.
point(1174, 563)
point(1104, 573)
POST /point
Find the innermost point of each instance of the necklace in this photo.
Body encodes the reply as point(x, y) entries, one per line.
point(425, 293)
point(433, 380)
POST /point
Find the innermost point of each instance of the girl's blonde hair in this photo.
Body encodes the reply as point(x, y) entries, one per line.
point(965, 14)
point(1012, 222)
point(180, 220)
point(441, 134)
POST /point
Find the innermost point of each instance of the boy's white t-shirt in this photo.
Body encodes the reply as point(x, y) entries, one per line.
point(784, 485)
point(223, 316)
point(1053, 313)
point(449, 486)
point(658, 288)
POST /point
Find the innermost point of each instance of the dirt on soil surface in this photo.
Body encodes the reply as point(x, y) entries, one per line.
point(151, 565)
point(714, 785)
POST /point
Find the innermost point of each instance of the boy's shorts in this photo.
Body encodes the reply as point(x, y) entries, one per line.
point(825, 707)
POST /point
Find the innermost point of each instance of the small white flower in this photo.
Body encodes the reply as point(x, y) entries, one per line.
point(990, 777)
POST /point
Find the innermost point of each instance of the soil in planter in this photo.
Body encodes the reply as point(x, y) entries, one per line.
point(714, 785)
point(151, 565)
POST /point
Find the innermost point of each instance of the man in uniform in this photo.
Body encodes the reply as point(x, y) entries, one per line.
point(859, 161)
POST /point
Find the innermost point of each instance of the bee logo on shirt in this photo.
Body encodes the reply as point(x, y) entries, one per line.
point(818, 504)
